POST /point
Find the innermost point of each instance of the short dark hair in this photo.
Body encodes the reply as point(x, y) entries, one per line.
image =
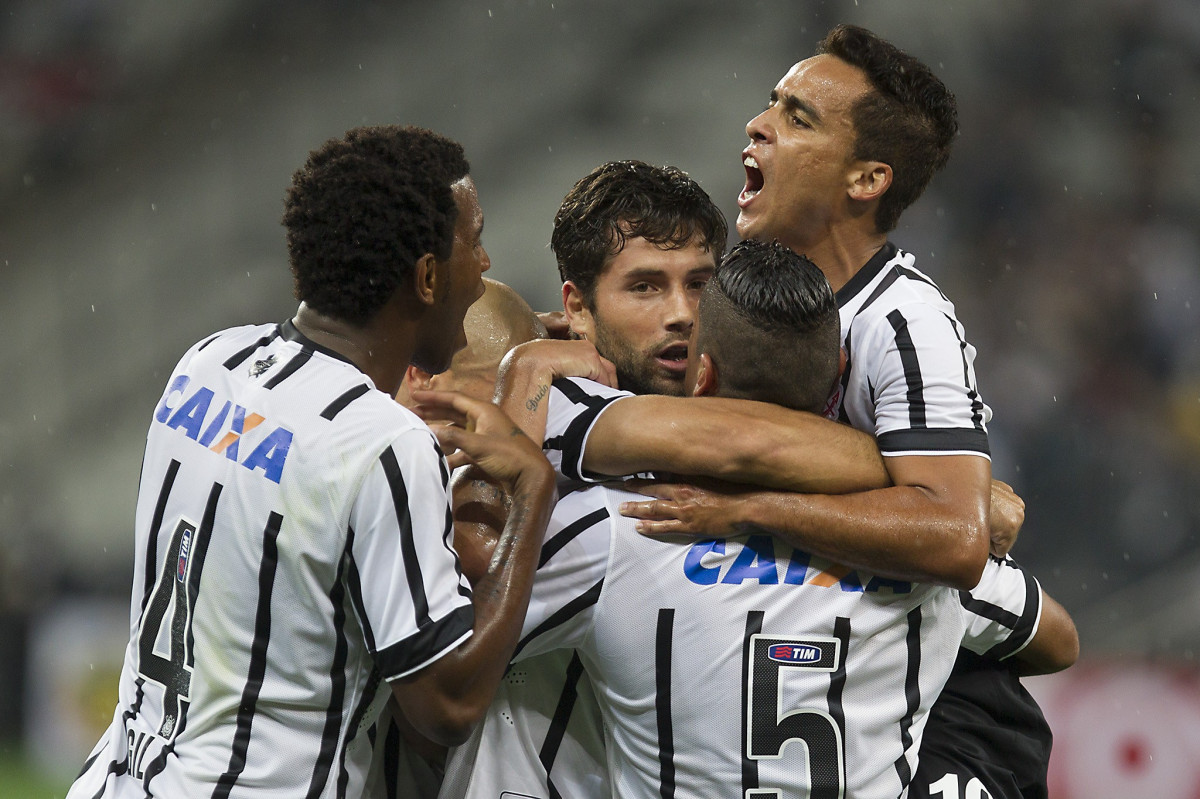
point(363, 210)
point(769, 321)
point(908, 122)
point(620, 200)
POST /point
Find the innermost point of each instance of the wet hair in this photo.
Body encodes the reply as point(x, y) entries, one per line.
point(908, 122)
point(621, 200)
point(769, 321)
point(363, 210)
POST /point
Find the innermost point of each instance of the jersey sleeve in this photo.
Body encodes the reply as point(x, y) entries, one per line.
point(1003, 611)
point(403, 575)
point(574, 406)
point(923, 385)
point(570, 575)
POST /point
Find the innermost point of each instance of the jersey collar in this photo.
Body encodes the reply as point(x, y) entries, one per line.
point(865, 275)
point(289, 332)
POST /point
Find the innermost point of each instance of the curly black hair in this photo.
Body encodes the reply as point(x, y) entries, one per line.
point(769, 321)
point(908, 122)
point(363, 209)
point(620, 200)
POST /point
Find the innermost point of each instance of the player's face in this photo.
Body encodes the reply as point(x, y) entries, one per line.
point(642, 313)
point(462, 272)
point(800, 154)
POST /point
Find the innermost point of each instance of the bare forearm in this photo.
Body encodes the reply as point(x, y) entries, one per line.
point(735, 440)
point(895, 532)
point(523, 393)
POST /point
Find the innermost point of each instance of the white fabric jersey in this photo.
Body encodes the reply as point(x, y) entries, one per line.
point(910, 374)
point(542, 737)
point(293, 552)
point(744, 668)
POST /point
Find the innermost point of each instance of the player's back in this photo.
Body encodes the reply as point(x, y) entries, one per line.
point(248, 664)
point(728, 666)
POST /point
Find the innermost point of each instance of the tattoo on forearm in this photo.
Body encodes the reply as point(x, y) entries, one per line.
point(532, 403)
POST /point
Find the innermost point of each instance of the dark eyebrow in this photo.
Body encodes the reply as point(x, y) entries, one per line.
point(794, 103)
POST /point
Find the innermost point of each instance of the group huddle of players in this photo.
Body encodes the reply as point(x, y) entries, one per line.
point(805, 590)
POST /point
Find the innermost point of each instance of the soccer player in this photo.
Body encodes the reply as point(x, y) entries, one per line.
point(294, 564)
point(747, 664)
point(849, 139)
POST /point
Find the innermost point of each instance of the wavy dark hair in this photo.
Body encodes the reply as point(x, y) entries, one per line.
point(769, 321)
point(908, 122)
point(363, 210)
point(621, 200)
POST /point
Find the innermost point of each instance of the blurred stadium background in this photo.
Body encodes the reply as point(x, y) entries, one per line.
point(145, 148)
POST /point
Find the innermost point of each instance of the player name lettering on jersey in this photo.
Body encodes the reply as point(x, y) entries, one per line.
point(767, 561)
point(221, 425)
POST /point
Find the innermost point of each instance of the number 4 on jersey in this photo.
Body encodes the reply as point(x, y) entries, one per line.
point(176, 590)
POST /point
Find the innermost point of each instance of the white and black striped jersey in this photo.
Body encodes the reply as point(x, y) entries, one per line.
point(910, 374)
point(744, 668)
point(542, 737)
point(293, 552)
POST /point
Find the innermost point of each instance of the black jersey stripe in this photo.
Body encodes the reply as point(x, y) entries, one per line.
point(913, 274)
point(570, 533)
point(331, 732)
point(548, 752)
point(912, 370)
point(972, 389)
point(160, 762)
point(912, 693)
point(356, 722)
point(935, 439)
point(564, 614)
point(339, 404)
point(1023, 630)
point(160, 506)
point(570, 443)
point(258, 659)
point(199, 553)
point(662, 702)
point(391, 761)
point(979, 607)
point(208, 341)
point(754, 621)
point(408, 546)
point(243, 354)
point(289, 369)
point(837, 683)
point(448, 530)
point(354, 588)
point(863, 277)
point(425, 644)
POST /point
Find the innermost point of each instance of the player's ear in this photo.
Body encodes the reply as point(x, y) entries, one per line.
point(415, 379)
point(706, 377)
point(425, 278)
point(869, 180)
point(579, 317)
point(843, 358)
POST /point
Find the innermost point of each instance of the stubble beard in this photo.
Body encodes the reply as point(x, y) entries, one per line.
point(636, 372)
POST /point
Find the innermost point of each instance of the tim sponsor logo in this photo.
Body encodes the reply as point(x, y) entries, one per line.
point(224, 427)
point(795, 654)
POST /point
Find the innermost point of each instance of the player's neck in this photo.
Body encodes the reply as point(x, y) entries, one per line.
point(841, 253)
point(380, 356)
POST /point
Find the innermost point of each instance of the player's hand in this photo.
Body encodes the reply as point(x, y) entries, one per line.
point(552, 359)
point(556, 324)
point(485, 436)
point(1007, 516)
point(685, 509)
